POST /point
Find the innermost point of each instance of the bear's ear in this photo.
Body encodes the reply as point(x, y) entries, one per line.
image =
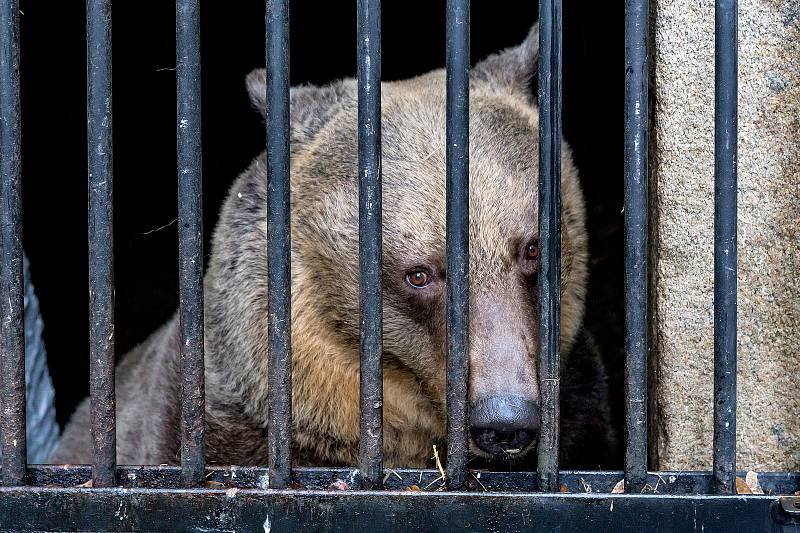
point(309, 108)
point(512, 69)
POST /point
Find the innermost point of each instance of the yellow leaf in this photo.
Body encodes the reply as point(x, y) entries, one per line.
point(741, 486)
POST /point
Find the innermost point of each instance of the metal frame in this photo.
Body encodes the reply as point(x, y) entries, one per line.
point(237, 499)
point(107, 497)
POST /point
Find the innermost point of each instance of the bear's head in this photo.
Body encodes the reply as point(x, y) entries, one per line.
point(503, 370)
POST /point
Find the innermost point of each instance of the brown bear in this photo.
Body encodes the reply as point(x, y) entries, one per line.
point(503, 384)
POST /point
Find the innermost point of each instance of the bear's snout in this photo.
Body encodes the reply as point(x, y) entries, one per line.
point(504, 425)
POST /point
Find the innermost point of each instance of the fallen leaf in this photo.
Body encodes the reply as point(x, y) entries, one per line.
point(563, 487)
point(619, 488)
point(742, 487)
point(87, 485)
point(415, 488)
point(214, 485)
point(752, 481)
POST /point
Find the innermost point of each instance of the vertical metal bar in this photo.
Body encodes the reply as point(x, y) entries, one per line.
point(549, 237)
point(457, 247)
point(190, 243)
point(278, 245)
point(101, 242)
point(725, 259)
point(12, 338)
point(370, 248)
point(636, 146)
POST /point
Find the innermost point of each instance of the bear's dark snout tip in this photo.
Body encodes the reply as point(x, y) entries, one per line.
point(504, 425)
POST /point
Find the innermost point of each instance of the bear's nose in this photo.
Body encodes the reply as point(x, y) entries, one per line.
point(502, 425)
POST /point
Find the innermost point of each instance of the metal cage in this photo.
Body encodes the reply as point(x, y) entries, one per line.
point(277, 497)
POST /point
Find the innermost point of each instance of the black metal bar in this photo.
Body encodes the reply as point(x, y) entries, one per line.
point(12, 337)
point(725, 260)
point(248, 477)
point(278, 245)
point(457, 246)
point(636, 146)
point(46, 509)
point(190, 242)
point(370, 248)
point(549, 237)
point(101, 242)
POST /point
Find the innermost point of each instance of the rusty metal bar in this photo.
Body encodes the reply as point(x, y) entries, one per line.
point(278, 245)
point(457, 246)
point(370, 249)
point(101, 242)
point(190, 242)
point(549, 238)
point(12, 338)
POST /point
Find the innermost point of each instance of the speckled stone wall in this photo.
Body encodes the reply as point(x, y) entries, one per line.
point(768, 436)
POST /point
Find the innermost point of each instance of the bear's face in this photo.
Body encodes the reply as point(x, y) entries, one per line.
point(503, 379)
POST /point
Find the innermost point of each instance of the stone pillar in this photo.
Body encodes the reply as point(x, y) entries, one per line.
point(682, 195)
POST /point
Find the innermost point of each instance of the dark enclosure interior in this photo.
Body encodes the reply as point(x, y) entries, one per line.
point(323, 48)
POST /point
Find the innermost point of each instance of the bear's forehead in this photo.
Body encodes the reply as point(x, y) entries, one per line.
point(503, 172)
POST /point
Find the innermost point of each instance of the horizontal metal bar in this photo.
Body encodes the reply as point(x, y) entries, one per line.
point(370, 248)
point(549, 238)
point(190, 241)
point(279, 438)
point(457, 241)
point(725, 259)
point(27, 508)
point(12, 338)
point(426, 480)
point(101, 241)
point(636, 146)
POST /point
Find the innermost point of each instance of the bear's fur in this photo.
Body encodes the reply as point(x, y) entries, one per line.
point(325, 277)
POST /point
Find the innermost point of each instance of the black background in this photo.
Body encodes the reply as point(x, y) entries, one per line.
point(323, 44)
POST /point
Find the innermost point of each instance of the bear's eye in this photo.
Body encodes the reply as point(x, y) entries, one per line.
point(532, 251)
point(418, 279)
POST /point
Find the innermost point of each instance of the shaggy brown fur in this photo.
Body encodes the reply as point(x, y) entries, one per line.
point(325, 308)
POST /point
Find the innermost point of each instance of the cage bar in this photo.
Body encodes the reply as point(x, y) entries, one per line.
point(278, 244)
point(12, 338)
point(370, 246)
point(101, 242)
point(190, 242)
point(725, 259)
point(549, 238)
point(636, 152)
point(457, 245)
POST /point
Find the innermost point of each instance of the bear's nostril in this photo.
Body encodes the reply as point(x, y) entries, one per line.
point(502, 442)
point(504, 438)
point(504, 425)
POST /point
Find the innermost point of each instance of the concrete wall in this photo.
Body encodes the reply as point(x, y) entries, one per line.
point(769, 233)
